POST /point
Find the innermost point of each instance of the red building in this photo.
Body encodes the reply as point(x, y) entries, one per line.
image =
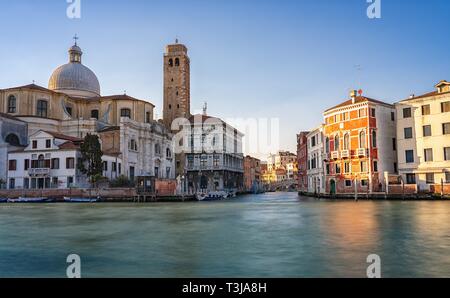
point(360, 144)
point(302, 158)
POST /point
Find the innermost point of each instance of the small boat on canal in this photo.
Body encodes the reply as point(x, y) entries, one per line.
point(80, 200)
point(30, 200)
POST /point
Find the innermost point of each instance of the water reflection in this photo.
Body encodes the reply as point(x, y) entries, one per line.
point(270, 235)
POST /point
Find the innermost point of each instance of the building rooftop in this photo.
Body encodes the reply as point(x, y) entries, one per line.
point(358, 99)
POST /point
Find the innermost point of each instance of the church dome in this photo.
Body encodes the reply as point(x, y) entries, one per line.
point(74, 78)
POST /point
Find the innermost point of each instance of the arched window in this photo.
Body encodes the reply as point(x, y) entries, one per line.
point(157, 149)
point(125, 113)
point(346, 141)
point(374, 139)
point(94, 114)
point(168, 153)
point(177, 62)
point(42, 108)
point(170, 62)
point(12, 104)
point(362, 139)
point(133, 145)
point(327, 145)
point(336, 143)
point(12, 139)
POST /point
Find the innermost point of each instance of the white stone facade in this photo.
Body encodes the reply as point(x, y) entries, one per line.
point(315, 169)
point(423, 137)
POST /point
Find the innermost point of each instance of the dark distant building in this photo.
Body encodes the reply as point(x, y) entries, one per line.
point(302, 157)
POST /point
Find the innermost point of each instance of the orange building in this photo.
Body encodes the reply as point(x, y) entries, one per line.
point(360, 144)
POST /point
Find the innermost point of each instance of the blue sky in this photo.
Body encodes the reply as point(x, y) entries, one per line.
point(250, 58)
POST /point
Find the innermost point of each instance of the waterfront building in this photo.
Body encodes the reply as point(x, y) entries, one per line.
point(13, 136)
point(423, 138)
point(50, 160)
point(252, 174)
point(282, 169)
point(214, 156)
point(360, 140)
point(315, 171)
point(72, 105)
point(302, 160)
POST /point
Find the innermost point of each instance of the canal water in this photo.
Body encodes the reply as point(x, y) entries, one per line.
point(267, 235)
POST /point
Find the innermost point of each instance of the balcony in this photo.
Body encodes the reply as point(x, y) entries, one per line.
point(39, 172)
point(361, 152)
point(345, 154)
point(335, 155)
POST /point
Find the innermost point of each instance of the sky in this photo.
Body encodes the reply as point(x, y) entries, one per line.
point(285, 59)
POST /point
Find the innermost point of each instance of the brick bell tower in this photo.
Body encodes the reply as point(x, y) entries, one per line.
point(177, 90)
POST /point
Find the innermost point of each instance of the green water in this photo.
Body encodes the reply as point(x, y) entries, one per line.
point(269, 235)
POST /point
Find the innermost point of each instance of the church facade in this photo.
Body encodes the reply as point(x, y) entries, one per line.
point(72, 105)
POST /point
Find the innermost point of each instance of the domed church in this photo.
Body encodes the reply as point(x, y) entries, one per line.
point(73, 106)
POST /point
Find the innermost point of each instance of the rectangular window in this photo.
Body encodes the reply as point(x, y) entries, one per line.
point(409, 155)
point(375, 166)
point(26, 183)
point(426, 110)
point(445, 107)
point(430, 178)
point(364, 182)
point(363, 166)
point(347, 168)
point(42, 107)
point(372, 113)
point(395, 167)
point(105, 166)
point(147, 117)
point(26, 165)
point(70, 163)
point(113, 167)
point(69, 181)
point(338, 168)
point(408, 133)
point(55, 164)
point(447, 177)
point(446, 128)
point(48, 143)
point(362, 113)
point(34, 144)
point(12, 183)
point(428, 154)
point(13, 165)
point(394, 144)
point(447, 153)
point(393, 116)
point(410, 178)
point(427, 130)
point(327, 168)
point(407, 113)
point(348, 183)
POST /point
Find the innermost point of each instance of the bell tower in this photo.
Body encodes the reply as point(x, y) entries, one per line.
point(177, 98)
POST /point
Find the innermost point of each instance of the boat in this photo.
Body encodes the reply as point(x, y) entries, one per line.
point(212, 196)
point(3, 200)
point(30, 200)
point(80, 200)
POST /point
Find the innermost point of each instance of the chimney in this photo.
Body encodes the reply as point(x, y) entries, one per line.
point(353, 95)
point(412, 96)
